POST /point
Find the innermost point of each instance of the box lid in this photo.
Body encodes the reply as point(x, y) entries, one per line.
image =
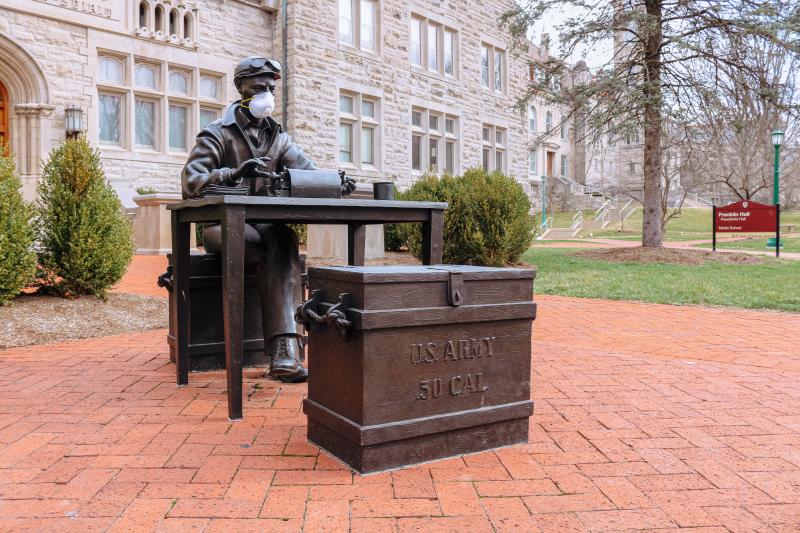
point(416, 273)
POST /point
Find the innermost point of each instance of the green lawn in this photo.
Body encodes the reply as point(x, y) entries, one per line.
point(771, 285)
point(790, 244)
point(693, 224)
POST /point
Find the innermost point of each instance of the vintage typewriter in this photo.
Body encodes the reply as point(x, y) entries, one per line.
point(291, 182)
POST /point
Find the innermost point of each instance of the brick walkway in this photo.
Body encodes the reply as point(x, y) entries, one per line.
point(648, 417)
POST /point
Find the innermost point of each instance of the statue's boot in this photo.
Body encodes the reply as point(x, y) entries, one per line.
point(285, 356)
point(299, 377)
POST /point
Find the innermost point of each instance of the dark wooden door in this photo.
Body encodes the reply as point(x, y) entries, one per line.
point(551, 162)
point(5, 141)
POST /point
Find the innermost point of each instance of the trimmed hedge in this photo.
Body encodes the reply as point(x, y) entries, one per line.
point(87, 241)
point(487, 221)
point(17, 233)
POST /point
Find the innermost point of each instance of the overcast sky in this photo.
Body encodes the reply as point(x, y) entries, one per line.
point(595, 58)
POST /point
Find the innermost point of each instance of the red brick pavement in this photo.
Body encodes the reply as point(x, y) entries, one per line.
point(648, 417)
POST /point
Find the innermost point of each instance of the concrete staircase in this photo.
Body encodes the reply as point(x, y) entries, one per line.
point(610, 211)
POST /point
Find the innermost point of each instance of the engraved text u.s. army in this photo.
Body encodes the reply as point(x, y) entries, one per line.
point(452, 350)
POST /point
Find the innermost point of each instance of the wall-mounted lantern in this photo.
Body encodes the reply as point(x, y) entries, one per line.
point(73, 121)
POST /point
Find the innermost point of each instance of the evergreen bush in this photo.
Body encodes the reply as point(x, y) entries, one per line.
point(17, 232)
point(395, 235)
point(487, 221)
point(301, 230)
point(86, 239)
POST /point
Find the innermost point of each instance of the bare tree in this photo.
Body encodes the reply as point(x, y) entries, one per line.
point(735, 116)
point(657, 47)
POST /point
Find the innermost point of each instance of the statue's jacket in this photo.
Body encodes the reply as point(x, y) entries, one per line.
point(222, 146)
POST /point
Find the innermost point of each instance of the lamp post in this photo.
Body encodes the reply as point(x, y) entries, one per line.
point(777, 141)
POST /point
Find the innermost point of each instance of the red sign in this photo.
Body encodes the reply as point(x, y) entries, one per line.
point(746, 217)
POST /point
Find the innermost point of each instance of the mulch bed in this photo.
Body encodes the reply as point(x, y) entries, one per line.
point(35, 319)
point(670, 256)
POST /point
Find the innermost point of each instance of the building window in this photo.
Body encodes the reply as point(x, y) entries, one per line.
point(495, 142)
point(110, 69)
point(532, 119)
point(433, 47)
point(498, 70)
point(436, 44)
point(173, 22)
point(143, 114)
point(110, 106)
point(564, 167)
point(533, 162)
point(368, 18)
point(564, 129)
point(178, 125)
point(146, 77)
point(434, 147)
point(359, 130)
point(548, 122)
point(632, 138)
point(187, 26)
point(143, 14)
point(159, 24)
point(631, 169)
point(207, 116)
point(346, 21)
point(209, 87)
point(178, 82)
point(493, 68)
point(416, 42)
point(145, 123)
point(485, 67)
point(449, 52)
point(358, 23)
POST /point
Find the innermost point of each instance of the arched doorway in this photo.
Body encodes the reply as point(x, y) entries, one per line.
point(4, 133)
point(24, 112)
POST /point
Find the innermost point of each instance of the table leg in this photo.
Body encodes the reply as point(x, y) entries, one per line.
point(432, 239)
point(356, 244)
point(233, 303)
point(180, 292)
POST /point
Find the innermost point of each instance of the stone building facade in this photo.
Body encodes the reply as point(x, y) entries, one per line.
point(145, 73)
point(384, 89)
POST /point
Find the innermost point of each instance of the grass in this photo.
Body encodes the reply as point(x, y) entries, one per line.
point(772, 284)
point(790, 244)
point(693, 224)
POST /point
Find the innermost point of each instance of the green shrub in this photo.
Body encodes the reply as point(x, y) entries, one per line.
point(487, 221)
point(17, 233)
point(396, 235)
point(301, 230)
point(86, 238)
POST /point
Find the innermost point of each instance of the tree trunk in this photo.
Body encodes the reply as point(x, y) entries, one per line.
point(652, 226)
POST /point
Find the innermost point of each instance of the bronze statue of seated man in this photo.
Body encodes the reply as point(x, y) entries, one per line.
point(247, 143)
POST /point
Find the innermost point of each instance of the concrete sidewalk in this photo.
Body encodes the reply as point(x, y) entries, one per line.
point(648, 417)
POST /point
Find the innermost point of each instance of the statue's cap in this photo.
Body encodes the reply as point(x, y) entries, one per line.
point(255, 65)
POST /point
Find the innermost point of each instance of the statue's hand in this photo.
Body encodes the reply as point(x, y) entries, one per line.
point(348, 184)
point(252, 167)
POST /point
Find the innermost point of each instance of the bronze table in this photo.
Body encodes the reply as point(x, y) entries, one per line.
point(232, 212)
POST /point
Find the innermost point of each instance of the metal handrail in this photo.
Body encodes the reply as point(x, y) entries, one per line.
point(602, 209)
point(577, 221)
point(622, 215)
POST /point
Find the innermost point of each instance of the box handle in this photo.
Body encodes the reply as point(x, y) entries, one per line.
point(310, 314)
point(455, 289)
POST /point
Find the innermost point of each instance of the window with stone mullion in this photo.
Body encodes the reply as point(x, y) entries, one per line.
point(358, 24)
point(433, 46)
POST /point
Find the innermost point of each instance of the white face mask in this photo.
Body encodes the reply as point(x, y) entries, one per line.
point(261, 105)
